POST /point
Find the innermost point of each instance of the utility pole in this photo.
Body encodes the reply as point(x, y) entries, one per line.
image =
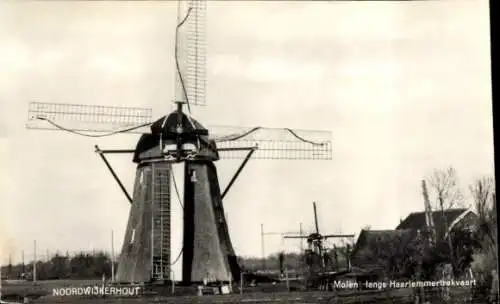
point(9, 267)
point(112, 257)
point(23, 264)
point(34, 261)
point(429, 220)
point(262, 246)
point(1, 263)
point(301, 240)
point(68, 261)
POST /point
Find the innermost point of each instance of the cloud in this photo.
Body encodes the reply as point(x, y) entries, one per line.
point(15, 57)
point(116, 65)
point(306, 22)
point(281, 70)
point(7, 239)
point(266, 69)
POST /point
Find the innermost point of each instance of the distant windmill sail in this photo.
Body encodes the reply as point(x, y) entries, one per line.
point(318, 257)
point(315, 218)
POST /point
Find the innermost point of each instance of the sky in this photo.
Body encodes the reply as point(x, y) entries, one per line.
point(404, 87)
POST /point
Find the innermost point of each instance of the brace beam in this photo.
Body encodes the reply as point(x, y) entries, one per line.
point(329, 236)
point(236, 149)
point(101, 154)
point(115, 151)
point(247, 158)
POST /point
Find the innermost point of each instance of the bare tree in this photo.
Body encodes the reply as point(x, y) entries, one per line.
point(483, 194)
point(444, 186)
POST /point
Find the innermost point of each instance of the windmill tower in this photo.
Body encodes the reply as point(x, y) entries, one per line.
point(172, 139)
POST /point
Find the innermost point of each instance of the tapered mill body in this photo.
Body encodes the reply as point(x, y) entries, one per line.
point(207, 250)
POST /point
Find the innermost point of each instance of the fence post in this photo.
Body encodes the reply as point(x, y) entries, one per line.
point(241, 283)
point(173, 281)
point(287, 281)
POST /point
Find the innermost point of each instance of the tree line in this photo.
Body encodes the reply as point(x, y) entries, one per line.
point(94, 265)
point(81, 266)
point(293, 261)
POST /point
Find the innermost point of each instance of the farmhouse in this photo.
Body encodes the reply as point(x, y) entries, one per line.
point(374, 247)
point(453, 218)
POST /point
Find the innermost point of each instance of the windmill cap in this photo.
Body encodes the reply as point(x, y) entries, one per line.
point(168, 126)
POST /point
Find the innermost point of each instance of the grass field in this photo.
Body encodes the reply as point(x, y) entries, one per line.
point(258, 297)
point(21, 289)
point(41, 292)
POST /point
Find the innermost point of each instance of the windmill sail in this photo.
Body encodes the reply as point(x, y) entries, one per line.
point(190, 55)
point(87, 118)
point(96, 121)
point(316, 218)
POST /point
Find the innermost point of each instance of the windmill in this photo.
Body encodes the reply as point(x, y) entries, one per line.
point(178, 138)
point(316, 255)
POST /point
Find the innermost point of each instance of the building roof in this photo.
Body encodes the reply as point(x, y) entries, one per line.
point(367, 236)
point(416, 220)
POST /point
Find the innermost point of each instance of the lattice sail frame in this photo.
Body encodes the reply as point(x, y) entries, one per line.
point(86, 118)
point(191, 52)
point(273, 143)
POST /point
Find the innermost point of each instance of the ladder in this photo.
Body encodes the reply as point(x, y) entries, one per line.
point(160, 232)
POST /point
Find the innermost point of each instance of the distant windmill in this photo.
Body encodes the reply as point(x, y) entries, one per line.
point(315, 248)
point(174, 138)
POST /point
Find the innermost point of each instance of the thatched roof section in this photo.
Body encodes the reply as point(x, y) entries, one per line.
point(367, 253)
point(382, 236)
